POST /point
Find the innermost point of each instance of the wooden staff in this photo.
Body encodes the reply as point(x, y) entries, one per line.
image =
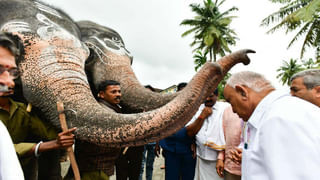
point(64, 128)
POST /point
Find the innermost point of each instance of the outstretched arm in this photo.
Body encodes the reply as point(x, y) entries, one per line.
point(64, 140)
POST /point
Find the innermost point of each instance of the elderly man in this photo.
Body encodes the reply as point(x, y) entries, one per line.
point(306, 85)
point(282, 137)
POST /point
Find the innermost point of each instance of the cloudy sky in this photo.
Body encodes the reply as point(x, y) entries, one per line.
point(151, 32)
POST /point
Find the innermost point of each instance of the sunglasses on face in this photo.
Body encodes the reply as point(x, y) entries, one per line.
point(13, 72)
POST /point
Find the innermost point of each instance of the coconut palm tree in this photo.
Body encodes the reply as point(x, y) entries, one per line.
point(310, 64)
point(211, 28)
point(287, 70)
point(199, 59)
point(301, 15)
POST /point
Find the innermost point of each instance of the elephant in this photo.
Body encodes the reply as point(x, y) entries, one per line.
point(64, 61)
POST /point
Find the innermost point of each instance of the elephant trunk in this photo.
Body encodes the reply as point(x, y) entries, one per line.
point(227, 62)
point(138, 129)
point(53, 71)
point(60, 77)
point(112, 129)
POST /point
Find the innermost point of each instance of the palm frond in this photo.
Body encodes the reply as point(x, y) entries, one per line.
point(297, 14)
point(211, 28)
point(301, 32)
point(309, 39)
point(189, 31)
point(282, 13)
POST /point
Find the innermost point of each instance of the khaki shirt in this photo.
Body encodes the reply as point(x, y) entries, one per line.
point(22, 125)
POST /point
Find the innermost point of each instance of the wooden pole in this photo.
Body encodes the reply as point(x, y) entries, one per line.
point(64, 127)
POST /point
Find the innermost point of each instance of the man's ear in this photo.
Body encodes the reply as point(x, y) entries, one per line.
point(317, 89)
point(242, 91)
point(101, 95)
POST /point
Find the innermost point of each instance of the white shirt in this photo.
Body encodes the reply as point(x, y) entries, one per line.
point(211, 132)
point(10, 168)
point(283, 140)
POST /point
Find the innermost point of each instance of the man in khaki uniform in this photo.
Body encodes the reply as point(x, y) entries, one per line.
point(22, 125)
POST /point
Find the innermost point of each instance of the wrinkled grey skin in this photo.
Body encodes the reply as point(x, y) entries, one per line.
point(53, 69)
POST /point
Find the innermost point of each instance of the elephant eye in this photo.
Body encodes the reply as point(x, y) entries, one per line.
point(115, 39)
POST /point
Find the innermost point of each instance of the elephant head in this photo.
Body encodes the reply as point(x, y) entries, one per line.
point(109, 59)
point(53, 69)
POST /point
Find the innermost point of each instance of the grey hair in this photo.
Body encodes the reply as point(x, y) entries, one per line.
point(253, 80)
point(311, 77)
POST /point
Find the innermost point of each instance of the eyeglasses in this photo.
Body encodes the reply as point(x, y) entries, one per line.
point(13, 72)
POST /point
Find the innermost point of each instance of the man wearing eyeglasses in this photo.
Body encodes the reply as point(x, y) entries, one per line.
point(21, 124)
point(9, 164)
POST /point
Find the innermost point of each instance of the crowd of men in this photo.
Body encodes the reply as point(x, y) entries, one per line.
point(259, 133)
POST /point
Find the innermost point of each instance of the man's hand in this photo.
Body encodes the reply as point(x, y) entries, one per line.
point(236, 155)
point(206, 112)
point(194, 128)
point(66, 139)
point(220, 167)
point(157, 149)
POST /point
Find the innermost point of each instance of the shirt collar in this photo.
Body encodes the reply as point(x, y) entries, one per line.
point(116, 108)
point(263, 106)
point(13, 107)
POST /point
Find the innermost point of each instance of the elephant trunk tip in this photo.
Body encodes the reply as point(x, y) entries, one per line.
point(245, 52)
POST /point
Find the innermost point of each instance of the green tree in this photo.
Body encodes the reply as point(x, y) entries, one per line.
point(310, 64)
point(301, 16)
point(199, 59)
point(211, 28)
point(222, 84)
point(287, 70)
